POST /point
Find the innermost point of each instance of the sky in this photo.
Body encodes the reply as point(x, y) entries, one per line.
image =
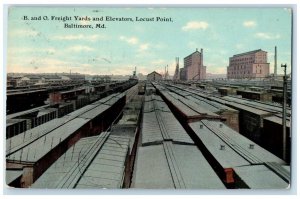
point(46, 46)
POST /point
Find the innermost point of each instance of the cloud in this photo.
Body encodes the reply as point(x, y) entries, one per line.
point(239, 46)
point(27, 51)
point(223, 52)
point(130, 40)
point(144, 47)
point(159, 45)
point(249, 24)
point(158, 62)
point(24, 33)
point(46, 65)
point(15, 50)
point(194, 25)
point(40, 64)
point(80, 48)
point(50, 50)
point(71, 37)
point(263, 35)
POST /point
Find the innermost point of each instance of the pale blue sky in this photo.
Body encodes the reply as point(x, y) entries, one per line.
point(45, 46)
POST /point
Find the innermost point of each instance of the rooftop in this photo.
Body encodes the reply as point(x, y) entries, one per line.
point(226, 157)
point(242, 145)
point(277, 119)
point(160, 124)
point(173, 166)
point(154, 72)
point(196, 52)
point(33, 144)
point(12, 175)
point(93, 162)
point(26, 112)
point(240, 106)
point(260, 177)
point(249, 52)
point(33, 151)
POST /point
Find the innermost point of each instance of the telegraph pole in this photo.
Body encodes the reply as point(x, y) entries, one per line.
point(284, 112)
point(275, 63)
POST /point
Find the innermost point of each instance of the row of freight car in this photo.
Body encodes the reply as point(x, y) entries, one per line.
point(194, 148)
point(30, 153)
point(102, 161)
point(259, 121)
point(68, 101)
point(177, 146)
point(167, 157)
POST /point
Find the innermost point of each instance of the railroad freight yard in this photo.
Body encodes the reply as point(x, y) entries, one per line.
point(152, 134)
point(157, 98)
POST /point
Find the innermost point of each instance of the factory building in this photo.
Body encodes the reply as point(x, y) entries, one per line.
point(251, 64)
point(154, 76)
point(193, 67)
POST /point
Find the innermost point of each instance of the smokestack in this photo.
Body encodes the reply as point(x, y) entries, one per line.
point(176, 74)
point(275, 62)
point(167, 74)
point(201, 57)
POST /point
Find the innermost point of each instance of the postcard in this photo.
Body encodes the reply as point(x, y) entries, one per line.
point(189, 98)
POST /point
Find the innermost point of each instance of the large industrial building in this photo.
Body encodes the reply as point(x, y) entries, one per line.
point(250, 64)
point(193, 68)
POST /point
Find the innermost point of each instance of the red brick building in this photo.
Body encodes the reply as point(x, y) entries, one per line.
point(250, 64)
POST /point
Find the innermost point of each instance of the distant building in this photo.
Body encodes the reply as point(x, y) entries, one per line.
point(101, 78)
point(74, 77)
point(182, 74)
point(31, 79)
point(193, 67)
point(14, 81)
point(52, 79)
point(177, 72)
point(154, 76)
point(248, 65)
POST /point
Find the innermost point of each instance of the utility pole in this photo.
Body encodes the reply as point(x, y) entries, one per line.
point(275, 63)
point(284, 112)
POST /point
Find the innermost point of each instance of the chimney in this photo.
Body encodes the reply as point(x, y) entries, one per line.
point(201, 57)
